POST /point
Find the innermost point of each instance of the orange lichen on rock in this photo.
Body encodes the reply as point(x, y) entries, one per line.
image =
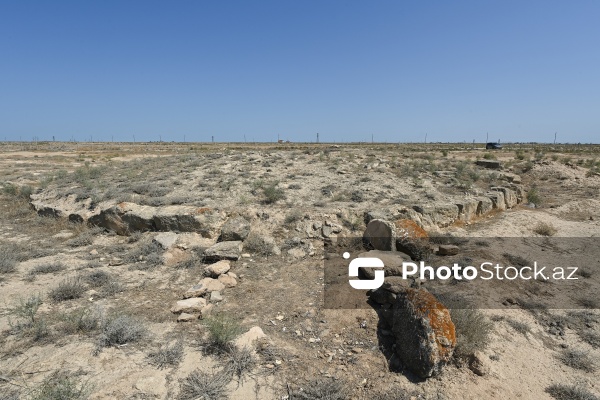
point(407, 228)
point(425, 334)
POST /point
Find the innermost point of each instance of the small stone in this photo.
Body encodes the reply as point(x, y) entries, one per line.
point(480, 363)
point(94, 252)
point(448, 250)
point(185, 317)
point(227, 281)
point(217, 269)
point(191, 305)
point(215, 296)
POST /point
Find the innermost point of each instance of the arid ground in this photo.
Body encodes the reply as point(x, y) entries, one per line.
point(87, 297)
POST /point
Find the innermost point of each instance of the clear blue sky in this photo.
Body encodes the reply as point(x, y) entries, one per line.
point(520, 70)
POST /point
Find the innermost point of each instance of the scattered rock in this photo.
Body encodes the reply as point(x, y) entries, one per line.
point(215, 296)
point(228, 281)
point(448, 250)
point(480, 363)
point(191, 305)
point(246, 340)
point(166, 239)
point(206, 285)
point(234, 229)
point(217, 269)
point(491, 164)
point(425, 335)
point(185, 317)
point(380, 235)
point(224, 251)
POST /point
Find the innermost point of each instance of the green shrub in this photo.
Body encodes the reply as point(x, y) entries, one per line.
point(121, 329)
point(533, 196)
point(61, 386)
point(545, 229)
point(577, 359)
point(48, 268)
point(68, 289)
point(272, 193)
point(167, 355)
point(222, 330)
point(84, 320)
point(201, 385)
point(570, 392)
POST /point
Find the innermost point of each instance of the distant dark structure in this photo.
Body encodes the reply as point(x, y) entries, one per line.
point(493, 146)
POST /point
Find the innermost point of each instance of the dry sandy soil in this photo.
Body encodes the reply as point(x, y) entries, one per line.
point(284, 191)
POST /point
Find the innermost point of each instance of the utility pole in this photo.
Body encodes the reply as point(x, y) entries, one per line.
point(133, 138)
point(245, 138)
point(555, 137)
point(425, 137)
point(487, 134)
point(317, 137)
point(372, 138)
point(213, 138)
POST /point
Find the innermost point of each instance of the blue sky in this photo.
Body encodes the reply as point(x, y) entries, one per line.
point(454, 70)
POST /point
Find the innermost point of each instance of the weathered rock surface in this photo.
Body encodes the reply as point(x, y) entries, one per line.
point(467, 209)
point(411, 239)
point(205, 286)
point(224, 251)
point(228, 281)
point(497, 200)
point(380, 235)
point(442, 215)
point(236, 228)
point(480, 363)
point(425, 335)
point(185, 317)
point(510, 197)
point(448, 250)
point(484, 206)
point(125, 218)
point(491, 164)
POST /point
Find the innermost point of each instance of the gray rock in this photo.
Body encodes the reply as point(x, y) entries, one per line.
point(206, 285)
point(218, 268)
point(215, 296)
point(185, 317)
point(380, 235)
point(392, 261)
point(448, 250)
point(442, 215)
point(236, 228)
point(224, 251)
point(191, 305)
point(166, 239)
point(497, 200)
point(491, 164)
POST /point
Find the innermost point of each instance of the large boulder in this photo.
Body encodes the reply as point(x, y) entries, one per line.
point(236, 228)
point(231, 250)
point(411, 239)
point(510, 197)
point(380, 235)
point(424, 333)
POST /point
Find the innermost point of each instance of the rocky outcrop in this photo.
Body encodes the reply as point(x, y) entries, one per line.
point(236, 228)
point(424, 333)
point(126, 218)
point(442, 215)
point(380, 235)
point(491, 164)
point(510, 197)
point(224, 251)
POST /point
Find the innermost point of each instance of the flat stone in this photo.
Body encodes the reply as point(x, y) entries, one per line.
point(224, 251)
point(246, 340)
point(206, 285)
point(166, 239)
point(217, 269)
point(215, 296)
point(448, 250)
point(185, 317)
point(228, 281)
point(191, 305)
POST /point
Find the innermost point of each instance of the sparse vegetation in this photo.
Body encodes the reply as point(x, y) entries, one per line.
point(578, 359)
point(519, 326)
point(8, 259)
point(121, 329)
point(202, 385)
point(322, 389)
point(534, 197)
point(222, 329)
point(169, 355)
point(570, 392)
point(68, 289)
point(590, 337)
point(545, 229)
point(472, 327)
point(47, 268)
point(62, 386)
point(239, 362)
point(83, 320)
